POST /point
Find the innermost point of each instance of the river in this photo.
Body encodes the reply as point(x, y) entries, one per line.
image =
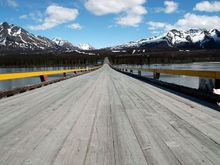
point(10, 84)
point(188, 81)
point(192, 82)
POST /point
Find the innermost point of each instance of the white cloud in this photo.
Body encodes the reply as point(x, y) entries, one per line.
point(187, 22)
point(75, 26)
point(56, 15)
point(129, 20)
point(170, 7)
point(133, 17)
point(12, 3)
point(198, 21)
point(23, 16)
point(208, 6)
point(132, 10)
point(36, 16)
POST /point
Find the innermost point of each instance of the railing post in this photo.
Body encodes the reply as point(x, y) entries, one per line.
point(43, 78)
point(206, 84)
point(156, 75)
point(209, 85)
point(217, 83)
point(139, 73)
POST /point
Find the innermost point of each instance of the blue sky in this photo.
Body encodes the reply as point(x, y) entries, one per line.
point(105, 23)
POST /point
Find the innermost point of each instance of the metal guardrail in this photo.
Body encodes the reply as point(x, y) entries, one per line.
point(42, 74)
point(193, 73)
point(208, 79)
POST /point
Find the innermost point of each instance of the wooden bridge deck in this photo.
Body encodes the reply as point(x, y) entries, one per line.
point(105, 117)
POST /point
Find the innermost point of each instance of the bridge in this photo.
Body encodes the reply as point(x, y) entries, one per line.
point(106, 117)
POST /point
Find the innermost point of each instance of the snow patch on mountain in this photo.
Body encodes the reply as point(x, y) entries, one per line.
point(138, 43)
point(85, 47)
point(59, 41)
point(15, 38)
point(195, 38)
point(70, 46)
point(3, 42)
point(82, 52)
point(18, 32)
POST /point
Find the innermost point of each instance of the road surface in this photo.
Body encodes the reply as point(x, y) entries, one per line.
point(106, 118)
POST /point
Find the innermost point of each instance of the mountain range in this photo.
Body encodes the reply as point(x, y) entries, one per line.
point(16, 39)
point(175, 39)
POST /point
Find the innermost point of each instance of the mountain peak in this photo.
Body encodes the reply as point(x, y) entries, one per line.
point(59, 41)
point(15, 38)
point(180, 39)
point(86, 47)
point(5, 25)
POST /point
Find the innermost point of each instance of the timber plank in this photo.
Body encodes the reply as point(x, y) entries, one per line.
point(106, 118)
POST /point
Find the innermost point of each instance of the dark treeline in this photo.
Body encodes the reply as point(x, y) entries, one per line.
point(41, 60)
point(166, 57)
point(73, 59)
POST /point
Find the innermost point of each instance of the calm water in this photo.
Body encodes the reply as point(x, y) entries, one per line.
point(188, 81)
point(182, 80)
point(10, 84)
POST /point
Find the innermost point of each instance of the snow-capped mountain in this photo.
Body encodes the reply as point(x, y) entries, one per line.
point(15, 37)
point(196, 38)
point(69, 46)
point(191, 39)
point(139, 43)
point(85, 47)
point(66, 45)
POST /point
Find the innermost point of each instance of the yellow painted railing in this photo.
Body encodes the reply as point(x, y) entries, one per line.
point(194, 73)
point(9, 76)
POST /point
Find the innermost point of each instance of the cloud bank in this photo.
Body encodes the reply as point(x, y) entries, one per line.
point(208, 6)
point(188, 21)
point(132, 10)
point(56, 15)
point(74, 26)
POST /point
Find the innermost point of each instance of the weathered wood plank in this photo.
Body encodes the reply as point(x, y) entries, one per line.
point(105, 117)
point(212, 149)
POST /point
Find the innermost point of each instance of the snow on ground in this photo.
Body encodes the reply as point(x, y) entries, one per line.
point(116, 51)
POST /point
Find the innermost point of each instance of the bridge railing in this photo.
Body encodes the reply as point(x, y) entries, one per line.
point(42, 74)
point(193, 73)
point(208, 80)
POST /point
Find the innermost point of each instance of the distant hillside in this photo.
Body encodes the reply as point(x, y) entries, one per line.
point(175, 40)
point(16, 39)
